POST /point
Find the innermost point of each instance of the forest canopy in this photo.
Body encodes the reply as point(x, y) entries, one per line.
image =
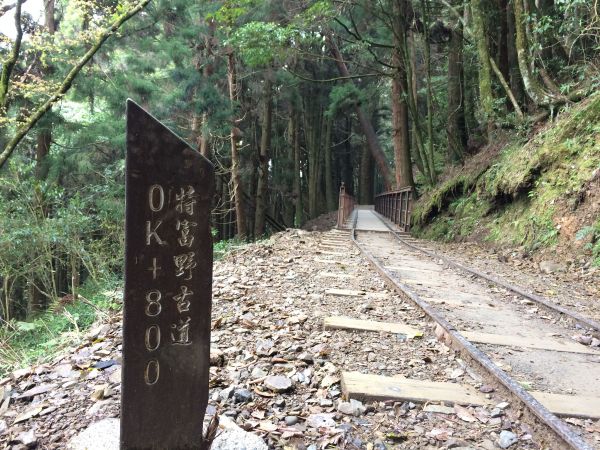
point(289, 99)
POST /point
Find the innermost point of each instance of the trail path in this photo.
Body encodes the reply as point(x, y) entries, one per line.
point(277, 371)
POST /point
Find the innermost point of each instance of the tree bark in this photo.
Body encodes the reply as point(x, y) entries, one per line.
point(298, 215)
point(312, 131)
point(533, 88)
point(263, 157)
point(456, 131)
point(430, 152)
point(366, 177)
point(44, 138)
point(485, 71)
point(400, 134)
point(9, 64)
point(329, 190)
point(366, 126)
point(204, 63)
point(234, 137)
point(516, 83)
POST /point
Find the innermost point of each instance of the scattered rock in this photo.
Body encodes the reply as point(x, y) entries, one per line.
point(102, 435)
point(551, 267)
point(457, 373)
point(232, 437)
point(306, 357)
point(40, 389)
point(278, 383)
point(115, 376)
point(242, 396)
point(440, 409)
point(352, 408)
point(100, 365)
point(227, 393)
point(291, 420)
point(507, 438)
point(496, 412)
point(583, 339)
point(320, 420)
point(329, 380)
point(257, 372)
point(217, 357)
point(27, 438)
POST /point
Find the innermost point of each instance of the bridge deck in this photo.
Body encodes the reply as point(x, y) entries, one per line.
point(367, 219)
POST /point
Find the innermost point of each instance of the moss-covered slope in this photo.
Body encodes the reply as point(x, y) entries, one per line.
point(535, 194)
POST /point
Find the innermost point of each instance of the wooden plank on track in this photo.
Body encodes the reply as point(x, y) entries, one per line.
point(455, 302)
point(570, 405)
point(415, 265)
point(332, 261)
point(376, 387)
point(327, 252)
point(413, 269)
point(345, 293)
point(334, 275)
point(423, 281)
point(535, 342)
point(347, 323)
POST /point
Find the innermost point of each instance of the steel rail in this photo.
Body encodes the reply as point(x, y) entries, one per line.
point(513, 288)
point(560, 428)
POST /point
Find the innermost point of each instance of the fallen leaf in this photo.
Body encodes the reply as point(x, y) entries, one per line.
point(28, 414)
point(267, 425)
point(464, 414)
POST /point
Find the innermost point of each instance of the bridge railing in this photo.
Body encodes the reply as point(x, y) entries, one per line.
point(396, 206)
point(346, 206)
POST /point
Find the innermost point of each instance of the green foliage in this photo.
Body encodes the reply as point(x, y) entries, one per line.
point(231, 11)
point(261, 43)
point(592, 233)
point(345, 96)
point(43, 225)
point(221, 248)
point(513, 200)
point(41, 339)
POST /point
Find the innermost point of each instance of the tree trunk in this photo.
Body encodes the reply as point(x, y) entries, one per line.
point(240, 213)
point(485, 70)
point(400, 134)
point(204, 63)
point(502, 55)
point(533, 88)
point(420, 152)
point(44, 138)
point(263, 165)
point(329, 190)
point(456, 131)
point(516, 83)
point(298, 215)
point(347, 166)
point(312, 129)
point(430, 137)
point(366, 126)
point(366, 177)
point(412, 97)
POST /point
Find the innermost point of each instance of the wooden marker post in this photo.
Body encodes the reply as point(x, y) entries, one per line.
point(168, 280)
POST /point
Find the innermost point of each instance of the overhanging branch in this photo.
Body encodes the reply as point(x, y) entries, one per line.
point(22, 131)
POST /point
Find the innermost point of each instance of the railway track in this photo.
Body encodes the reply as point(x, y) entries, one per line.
point(522, 341)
